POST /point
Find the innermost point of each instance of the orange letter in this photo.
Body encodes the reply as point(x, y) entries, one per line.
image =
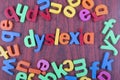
point(36, 71)
point(21, 65)
point(6, 25)
point(15, 52)
point(101, 10)
point(64, 38)
point(88, 4)
point(89, 38)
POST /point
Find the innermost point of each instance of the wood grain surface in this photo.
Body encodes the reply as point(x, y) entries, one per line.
point(62, 52)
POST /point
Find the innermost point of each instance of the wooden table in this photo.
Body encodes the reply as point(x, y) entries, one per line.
point(62, 52)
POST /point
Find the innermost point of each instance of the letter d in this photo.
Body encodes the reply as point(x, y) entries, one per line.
point(29, 41)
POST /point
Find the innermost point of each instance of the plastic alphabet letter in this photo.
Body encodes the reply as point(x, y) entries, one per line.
point(9, 36)
point(31, 75)
point(83, 70)
point(21, 12)
point(94, 68)
point(47, 76)
point(49, 39)
point(106, 63)
point(84, 15)
point(69, 11)
point(74, 4)
point(114, 39)
point(85, 78)
point(8, 66)
point(10, 14)
point(59, 71)
point(57, 36)
point(20, 65)
point(45, 2)
point(88, 4)
point(15, 52)
point(101, 10)
point(109, 46)
point(64, 38)
point(74, 37)
point(89, 38)
point(81, 37)
point(71, 65)
point(43, 65)
point(36, 71)
point(29, 41)
point(70, 78)
point(39, 42)
point(6, 25)
point(55, 8)
point(21, 76)
point(104, 76)
point(3, 53)
point(108, 25)
point(97, 18)
point(45, 14)
point(32, 14)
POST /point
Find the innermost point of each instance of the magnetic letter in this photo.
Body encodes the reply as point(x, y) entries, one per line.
point(8, 66)
point(108, 25)
point(94, 68)
point(84, 78)
point(97, 18)
point(59, 71)
point(39, 42)
point(20, 65)
point(49, 39)
point(48, 76)
point(31, 75)
point(69, 11)
point(74, 4)
point(71, 65)
point(21, 12)
point(84, 15)
point(43, 65)
point(10, 13)
point(55, 8)
point(109, 46)
point(45, 14)
point(3, 53)
point(6, 25)
point(83, 70)
point(8, 36)
point(70, 78)
point(106, 63)
point(29, 41)
point(21, 76)
point(89, 38)
point(36, 71)
point(64, 38)
point(15, 52)
point(104, 76)
point(101, 10)
point(88, 4)
point(57, 36)
point(32, 14)
point(45, 2)
point(74, 37)
point(114, 39)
